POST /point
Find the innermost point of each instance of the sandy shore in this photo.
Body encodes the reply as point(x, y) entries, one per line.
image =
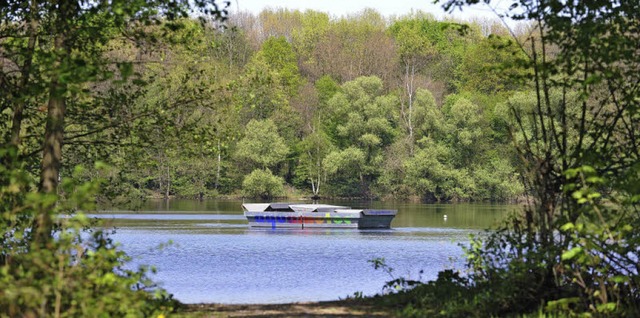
point(343, 308)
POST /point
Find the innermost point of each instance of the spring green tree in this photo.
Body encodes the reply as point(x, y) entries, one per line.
point(307, 38)
point(416, 50)
point(314, 147)
point(279, 55)
point(55, 67)
point(491, 65)
point(262, 146)
point(261, 183)
point(428, 124)
point(572, 251)
point(362, 123)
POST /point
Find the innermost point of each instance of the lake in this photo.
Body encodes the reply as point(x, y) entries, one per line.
point(215, 257)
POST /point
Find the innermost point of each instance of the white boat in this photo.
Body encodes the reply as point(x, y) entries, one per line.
point(291, 215)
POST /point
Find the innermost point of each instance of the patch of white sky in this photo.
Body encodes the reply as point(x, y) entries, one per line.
point(338, 8)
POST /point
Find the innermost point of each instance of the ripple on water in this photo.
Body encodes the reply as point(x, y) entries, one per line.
point(278, 266)
point(215, 257)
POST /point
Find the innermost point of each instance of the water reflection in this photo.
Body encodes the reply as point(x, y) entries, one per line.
point(168, 217)
point(216, 257)
point(467, 216)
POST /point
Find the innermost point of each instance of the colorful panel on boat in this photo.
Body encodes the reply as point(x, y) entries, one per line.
point(282, 215)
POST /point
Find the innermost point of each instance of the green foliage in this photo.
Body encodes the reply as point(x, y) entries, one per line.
point(168, 102)
point(77, 272)
point(262, 146)
point(260, 92)
point(434, 48)
point(326, 88)
point(493, 66)
point(433, 177)
point(279, 55)
point(464, 119)
point(572, 251)
point(363, 123)
point(262, 184)
point(416, 37)
point(496, 180)
point(345, 169)
point(601, 261)
point(314, 149)
point(427, 117)
point(454, 159)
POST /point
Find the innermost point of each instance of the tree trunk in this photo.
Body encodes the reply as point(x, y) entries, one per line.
point(166, 194)
point(52, 148)
point(219, 163)
point(18, 110)
point(410, 90)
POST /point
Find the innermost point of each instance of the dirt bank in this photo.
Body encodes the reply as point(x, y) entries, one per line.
point(344, 308)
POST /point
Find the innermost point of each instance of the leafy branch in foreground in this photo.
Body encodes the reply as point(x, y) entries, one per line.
point(54, 64)
point(79, 272)
point(396, 284)
point(574, 250)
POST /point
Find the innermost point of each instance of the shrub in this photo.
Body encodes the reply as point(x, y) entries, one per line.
point(78, 271)
point(262, 184)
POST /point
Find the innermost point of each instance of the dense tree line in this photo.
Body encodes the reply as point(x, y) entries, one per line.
point(352, 106)
point(69, 95)
point(355, 106)
point(573, 251)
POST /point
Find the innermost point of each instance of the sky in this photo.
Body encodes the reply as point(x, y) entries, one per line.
point(387, 8)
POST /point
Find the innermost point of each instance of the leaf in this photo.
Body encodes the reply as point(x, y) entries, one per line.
point(567, 227)
point(618, 279)
point(571, 173)
point(568, 255)
point(608, 307)
point(594, 195)
point(595, 179)
point(577, 194)
point(126, 70)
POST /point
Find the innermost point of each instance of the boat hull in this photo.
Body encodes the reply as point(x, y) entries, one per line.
point(368, 219)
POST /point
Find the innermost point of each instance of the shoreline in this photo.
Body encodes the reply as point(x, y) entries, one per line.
point(333, 308)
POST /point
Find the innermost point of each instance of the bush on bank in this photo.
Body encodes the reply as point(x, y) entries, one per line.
point(79, 271)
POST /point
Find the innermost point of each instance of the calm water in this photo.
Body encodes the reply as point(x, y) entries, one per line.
point(215, 257)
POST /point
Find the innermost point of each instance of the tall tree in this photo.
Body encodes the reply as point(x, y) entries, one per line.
point(415, 51)
point(305, 40)
point(262, 146)
point(67, 61)
point(354, 46)
point(315, 144)
point(314, 147)
point(281, 58)
point(361, 121)
point(574, 240)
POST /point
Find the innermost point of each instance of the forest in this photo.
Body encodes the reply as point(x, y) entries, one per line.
point(290, 103)
point(109, 101)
